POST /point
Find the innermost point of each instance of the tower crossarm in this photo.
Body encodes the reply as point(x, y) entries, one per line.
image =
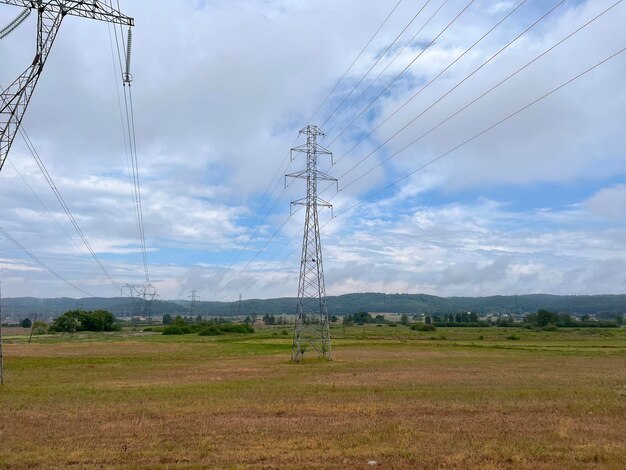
point(317, 148)
point(304, 174)
point(94, 9)
point(319, 202)
point(15, 98)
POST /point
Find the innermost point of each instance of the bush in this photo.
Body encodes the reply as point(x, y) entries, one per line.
point(26, 323)
point(284, 332)
point(80, 320)
point(513, 337)
point(423, 327)
point(210, 331)
point(173, 330)
point(550, 327)
point(213, 329)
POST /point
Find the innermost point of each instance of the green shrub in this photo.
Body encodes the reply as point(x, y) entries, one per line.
point(213, 329)
point(393, 325)
point(423, 327)
point(80, 320)
point(284, 332)
point(550, 327)
point(513, 337)
point(210, 331)
point(173, 330)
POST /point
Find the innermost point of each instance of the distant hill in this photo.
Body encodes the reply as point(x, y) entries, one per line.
point(338, 305)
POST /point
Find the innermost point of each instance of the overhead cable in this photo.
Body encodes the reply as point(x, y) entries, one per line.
point(41, 263)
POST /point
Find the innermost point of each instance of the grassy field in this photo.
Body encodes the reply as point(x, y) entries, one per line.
point(454, 398)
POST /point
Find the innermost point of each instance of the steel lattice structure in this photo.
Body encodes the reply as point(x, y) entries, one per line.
point(140, 294)
point(192, 304)
point(312, 324)
point(50, 13)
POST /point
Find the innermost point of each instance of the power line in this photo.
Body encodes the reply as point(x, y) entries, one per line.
point(258, 252)
point(354, 61)
point(127, 116)
point(404, 70)
point(66, 209)
point(484, 131)
point(391, 62)
point(223, 268)
point(41, 263)
point(376, 62)
point(456, 113)
point(142, 232)
point(284, 259)
point(449, 66)
point(44, 205)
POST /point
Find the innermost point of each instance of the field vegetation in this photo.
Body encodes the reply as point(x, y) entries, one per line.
point(450, 398)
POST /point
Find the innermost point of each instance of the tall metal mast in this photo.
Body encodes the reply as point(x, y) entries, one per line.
point(312, 326)
point(50, 13)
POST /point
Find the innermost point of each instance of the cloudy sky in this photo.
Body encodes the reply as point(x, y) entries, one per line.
point(518, 199)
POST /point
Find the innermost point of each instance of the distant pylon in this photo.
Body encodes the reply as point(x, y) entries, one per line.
point(137, 293)
point(192, 306)
point(312, 324)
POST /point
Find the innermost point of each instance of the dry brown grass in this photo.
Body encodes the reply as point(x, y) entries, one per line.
point(205, 403)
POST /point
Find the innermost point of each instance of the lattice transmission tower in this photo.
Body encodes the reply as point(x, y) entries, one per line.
point(50, 13)
point(141, 298)
point(192, 304)
point(311, 329)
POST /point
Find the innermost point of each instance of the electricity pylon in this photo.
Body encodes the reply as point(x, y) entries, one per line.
point(145, 293)
point(312, 326)
point(192, 305)
point(50, 13)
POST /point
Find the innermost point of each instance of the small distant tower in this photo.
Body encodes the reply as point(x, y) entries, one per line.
point(311, 329)
point(140, 294)
point(239, 306)
point(192, 306)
